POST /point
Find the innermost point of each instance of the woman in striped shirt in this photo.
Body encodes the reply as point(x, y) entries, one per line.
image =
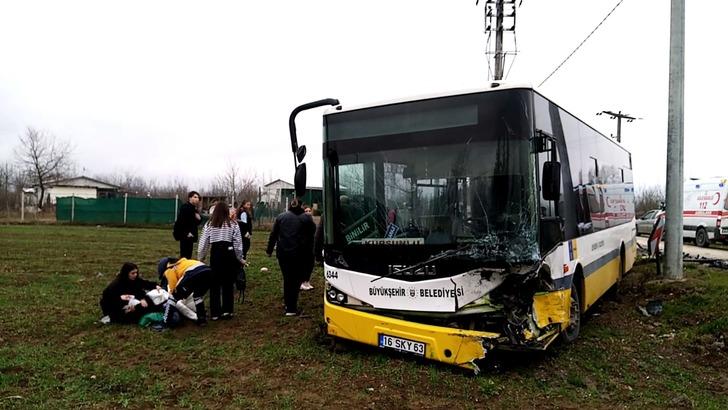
point(222, 239)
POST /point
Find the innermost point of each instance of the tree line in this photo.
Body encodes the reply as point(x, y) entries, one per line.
point(40, 158)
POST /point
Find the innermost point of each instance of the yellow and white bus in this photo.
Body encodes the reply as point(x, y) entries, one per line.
point(461, 223)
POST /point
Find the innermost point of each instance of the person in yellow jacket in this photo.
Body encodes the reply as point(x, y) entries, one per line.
point(184, 277)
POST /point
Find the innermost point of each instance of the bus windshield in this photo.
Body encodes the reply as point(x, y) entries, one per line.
point(442, 195)
point(451, 195)
point(448, 173)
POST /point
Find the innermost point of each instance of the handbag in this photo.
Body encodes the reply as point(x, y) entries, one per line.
point(240, 284)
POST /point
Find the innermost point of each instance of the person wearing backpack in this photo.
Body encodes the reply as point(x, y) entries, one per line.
point(221, 238)
point(185, 227)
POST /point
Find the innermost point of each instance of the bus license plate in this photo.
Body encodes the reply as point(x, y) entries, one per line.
point(402, 345)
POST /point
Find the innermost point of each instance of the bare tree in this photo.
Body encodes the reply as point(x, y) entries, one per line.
point(652, 197)
point(249, 187)
point(43, 157)
point(229, 181)
point(236, 185)
point(6, 176)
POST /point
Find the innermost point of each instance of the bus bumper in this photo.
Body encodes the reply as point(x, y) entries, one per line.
point(448, 345)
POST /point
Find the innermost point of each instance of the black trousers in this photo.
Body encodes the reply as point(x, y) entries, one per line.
point(246, 247)
point(225, 266)
point(197, 282)
point(185, 248)
point(292, 269)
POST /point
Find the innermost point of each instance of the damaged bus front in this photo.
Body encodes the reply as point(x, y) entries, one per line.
point(442, 236)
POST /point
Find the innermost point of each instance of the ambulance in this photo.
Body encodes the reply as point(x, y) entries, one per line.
point(705, 210)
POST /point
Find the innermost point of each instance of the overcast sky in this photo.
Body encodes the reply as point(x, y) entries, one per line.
point(181, 89)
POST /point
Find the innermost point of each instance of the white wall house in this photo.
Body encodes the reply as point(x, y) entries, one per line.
point(271, 193)
point(80, 187)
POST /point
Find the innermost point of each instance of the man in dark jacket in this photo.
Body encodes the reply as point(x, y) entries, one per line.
point(185, 227)
point(292, 237)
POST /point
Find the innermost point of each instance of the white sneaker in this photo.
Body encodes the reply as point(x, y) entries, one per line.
point(306, 286)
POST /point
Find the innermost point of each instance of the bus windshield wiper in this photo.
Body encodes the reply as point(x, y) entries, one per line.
point(439, 256)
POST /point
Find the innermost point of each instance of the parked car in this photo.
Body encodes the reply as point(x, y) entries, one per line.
point(646, 222)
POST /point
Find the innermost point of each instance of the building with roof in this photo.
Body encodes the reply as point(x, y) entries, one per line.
point(277, 194)
point(80, 187)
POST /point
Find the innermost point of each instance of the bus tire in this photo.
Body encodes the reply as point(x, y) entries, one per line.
point(701, 238)
point(572, 331)
point(613, 292)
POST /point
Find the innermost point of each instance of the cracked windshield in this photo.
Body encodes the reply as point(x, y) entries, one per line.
point(477, 194)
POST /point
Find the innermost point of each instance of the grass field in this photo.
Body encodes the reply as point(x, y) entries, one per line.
point(53, 353)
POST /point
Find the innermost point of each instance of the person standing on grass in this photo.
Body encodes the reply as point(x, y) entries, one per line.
point(292, 237)
point(185, 227)
point(309, 262)
point(222, 239)
point(318, 241)
point(125, 299)
point(240, 279)
point(245, 222)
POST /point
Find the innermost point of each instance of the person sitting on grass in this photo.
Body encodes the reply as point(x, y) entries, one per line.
point(183, 278)
point(125, 299)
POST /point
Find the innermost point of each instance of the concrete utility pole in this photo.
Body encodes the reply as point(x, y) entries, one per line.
point(499, 41)
point(619, 116)
point(675, 143)
point(501, 15)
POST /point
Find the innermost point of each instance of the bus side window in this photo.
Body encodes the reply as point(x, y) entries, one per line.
point(546, 207)
point(583, 213)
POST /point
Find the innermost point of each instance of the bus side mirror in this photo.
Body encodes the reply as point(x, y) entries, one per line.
point(299, 180)
point(551, 180)
point(301, 153)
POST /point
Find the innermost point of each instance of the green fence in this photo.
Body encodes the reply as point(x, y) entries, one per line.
point(117, 210)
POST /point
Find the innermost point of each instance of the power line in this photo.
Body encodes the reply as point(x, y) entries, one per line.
point(582, 43)
point(619, 116)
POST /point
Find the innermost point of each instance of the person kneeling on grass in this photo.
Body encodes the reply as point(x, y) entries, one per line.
point(184, 278)
point(125, 300)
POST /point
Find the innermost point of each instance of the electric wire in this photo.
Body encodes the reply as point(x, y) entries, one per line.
point(581, 44)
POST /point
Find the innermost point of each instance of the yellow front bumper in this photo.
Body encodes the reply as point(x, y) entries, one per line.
point(453, 346)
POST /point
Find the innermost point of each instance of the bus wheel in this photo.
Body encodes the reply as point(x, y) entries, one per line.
point(572, 332)
point(613, 292)
point(701, 238)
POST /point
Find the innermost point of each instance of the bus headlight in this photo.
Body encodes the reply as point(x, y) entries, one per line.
point(335, 295)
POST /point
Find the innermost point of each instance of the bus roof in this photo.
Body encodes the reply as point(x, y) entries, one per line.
point(494, 86)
